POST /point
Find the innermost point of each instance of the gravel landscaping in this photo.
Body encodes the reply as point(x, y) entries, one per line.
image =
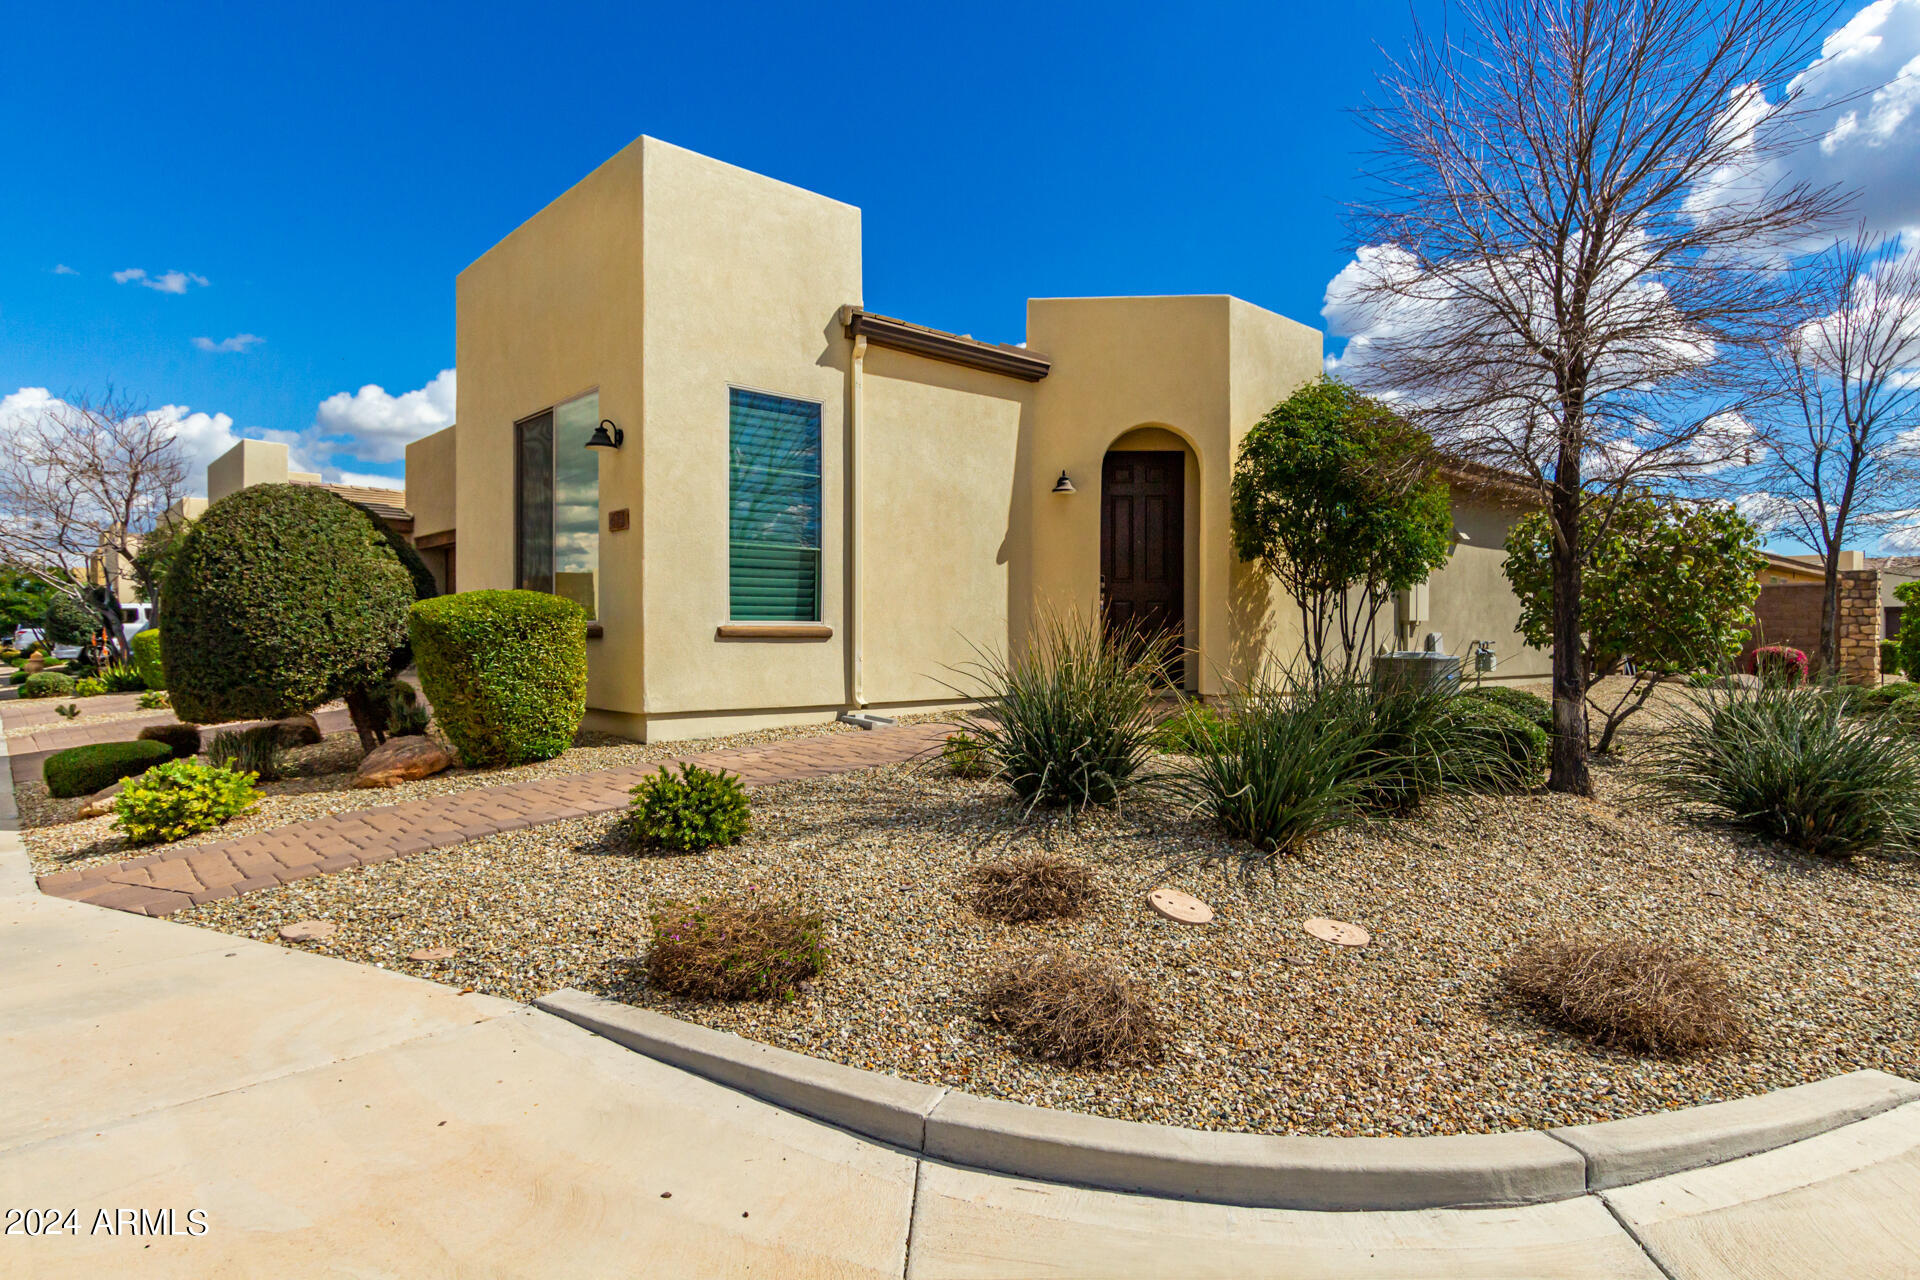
point(1269, 1029)
point(319, 782)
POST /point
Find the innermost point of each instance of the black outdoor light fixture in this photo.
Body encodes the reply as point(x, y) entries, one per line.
point(1063, 484)
point(606, 436)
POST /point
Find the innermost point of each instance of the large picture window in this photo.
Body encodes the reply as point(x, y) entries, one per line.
point(773, 527)
point(557, 503)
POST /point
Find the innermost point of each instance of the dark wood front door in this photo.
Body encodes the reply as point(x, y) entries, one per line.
point(1143, 544)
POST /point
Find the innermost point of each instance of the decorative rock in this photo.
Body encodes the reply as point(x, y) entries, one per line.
point(431, 953)
point(297, 731)
point(1183, 908)
point(100, 803)
point(308, 930)
point(1338, 931)
point(401, 760)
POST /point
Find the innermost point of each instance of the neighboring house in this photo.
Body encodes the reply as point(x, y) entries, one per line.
point(1895, 571)
point(777, 505)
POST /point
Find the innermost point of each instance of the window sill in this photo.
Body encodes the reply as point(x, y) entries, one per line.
point(773, 631)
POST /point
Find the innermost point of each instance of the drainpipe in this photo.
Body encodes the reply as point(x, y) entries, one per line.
point(855, 615)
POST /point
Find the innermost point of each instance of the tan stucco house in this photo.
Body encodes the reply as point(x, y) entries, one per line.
point(800, 507)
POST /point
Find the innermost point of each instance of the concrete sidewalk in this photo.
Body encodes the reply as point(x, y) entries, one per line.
point(330, 1118)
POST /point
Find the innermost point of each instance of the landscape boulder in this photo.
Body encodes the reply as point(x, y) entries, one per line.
point(297, 731)
point(100, 803)
point(401, 760)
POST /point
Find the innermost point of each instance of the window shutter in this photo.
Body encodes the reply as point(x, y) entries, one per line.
point(773, 528)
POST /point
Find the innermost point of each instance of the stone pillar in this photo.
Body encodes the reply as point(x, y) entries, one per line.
point(1862, 625)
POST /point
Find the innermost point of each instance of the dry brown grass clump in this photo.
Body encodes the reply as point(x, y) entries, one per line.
point(1644, 996)
point(735, 950)
point(1074, 1012)
point(1032, 886)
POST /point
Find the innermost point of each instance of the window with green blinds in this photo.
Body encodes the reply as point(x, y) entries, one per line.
point(773, 525)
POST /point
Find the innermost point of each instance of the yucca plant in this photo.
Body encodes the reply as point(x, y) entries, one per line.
point(1072, 720)
point(1792, 764)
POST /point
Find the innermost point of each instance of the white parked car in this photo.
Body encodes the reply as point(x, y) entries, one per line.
point(25, 636)
point(135, 618)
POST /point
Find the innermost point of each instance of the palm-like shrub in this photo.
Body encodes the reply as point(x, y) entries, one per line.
point(1071, 721)
point(1794, 765)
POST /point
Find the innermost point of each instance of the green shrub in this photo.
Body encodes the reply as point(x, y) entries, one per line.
point(1072, 720)
point(700, 809)
point(146, 658)
point(1793, 765)
point(280, 598)
point(1497, 749)
point(255, 751)
point(1890, 657)
point(178, 798)
point(155, 700)
point(1530, 707)
point(506, 672)
point(67, 711)
point(88, 687)
point(68, 621)
point(966, 755)
point(1192, 731)
point(406, 717)
point(81, 771)
point(121, 678)
point(1413, 746)
point(183, 740)
point(1907, 639)
point(735, 950)
point(1293, 768)
point(47, 684)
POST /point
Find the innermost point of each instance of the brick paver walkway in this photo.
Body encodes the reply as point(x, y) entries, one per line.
point(162, 883)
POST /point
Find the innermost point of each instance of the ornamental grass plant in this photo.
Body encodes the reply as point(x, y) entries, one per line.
point(1076, 1012)
point(1646, 997)
point(1792, 764)
point(735, 950)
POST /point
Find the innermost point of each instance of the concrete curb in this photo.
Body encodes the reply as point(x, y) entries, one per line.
point(1255, 1170)
point(16, 868)
point(1622, 1151)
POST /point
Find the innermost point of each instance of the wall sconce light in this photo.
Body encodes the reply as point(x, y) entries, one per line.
point(1063, 485)
point(606, 436)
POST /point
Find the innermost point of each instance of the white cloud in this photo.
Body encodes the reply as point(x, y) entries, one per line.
point(368, 480)
point(62, 269)
point(239, 342)
point(165, 282)
point(374, 426)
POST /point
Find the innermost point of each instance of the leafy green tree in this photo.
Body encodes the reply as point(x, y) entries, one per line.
point(1339, 498)
point(67, 621)
point(1665, 588)
point(283, 597)
point(23, 599)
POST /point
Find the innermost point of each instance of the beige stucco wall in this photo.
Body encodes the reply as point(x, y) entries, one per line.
point(552, 311)
point(939, 449)
point(432, 478)
point(248, 463)
point(1469, 598)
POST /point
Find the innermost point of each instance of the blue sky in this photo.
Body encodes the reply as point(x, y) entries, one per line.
point(327, 170)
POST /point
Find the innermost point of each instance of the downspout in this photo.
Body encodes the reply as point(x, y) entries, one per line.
point(857, 694)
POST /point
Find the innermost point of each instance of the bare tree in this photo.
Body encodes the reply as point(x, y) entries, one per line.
point(79, 483)
point(1840, 450)
point(1565, 244)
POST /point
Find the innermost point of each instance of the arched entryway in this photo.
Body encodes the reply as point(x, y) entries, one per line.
point(1144, 553)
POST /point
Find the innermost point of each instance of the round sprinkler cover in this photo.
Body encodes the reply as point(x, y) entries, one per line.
point(1181, 907)
point(307, 930)
point(1338, 931)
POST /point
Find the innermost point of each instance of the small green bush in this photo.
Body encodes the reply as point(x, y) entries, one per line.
point(155, 700)
point(121, 678)
point(1795, 765)
point(47, 684)
point(700, 809)
point(1530, 707)
point(255, 751)
point(1890, 657)
point(506, 672)
point(183, 740)
point(1505, 751)
point(146, 658)
point(176, 799)
point(1072, 720)
point(966, 755)
point(1197, 728)
point(88, 687)
point(81, 771)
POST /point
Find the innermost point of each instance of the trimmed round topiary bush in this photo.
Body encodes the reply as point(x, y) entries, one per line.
point(81, 771)
point(146, 657)
point(700, 809)
point(280, 598)
point(47, 684)
point(178, 798)
point(506, 672)
point(183, 740)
